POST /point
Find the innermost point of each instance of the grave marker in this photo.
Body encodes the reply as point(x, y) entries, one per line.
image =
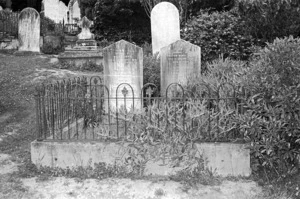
point(123, 63)
point(178, 62)
point(55, 10)
point(74, 11)
point(165, 27)
point(29, 30)
point(85, 25)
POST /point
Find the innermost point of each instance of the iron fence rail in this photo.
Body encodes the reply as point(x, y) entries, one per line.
point(84, 109)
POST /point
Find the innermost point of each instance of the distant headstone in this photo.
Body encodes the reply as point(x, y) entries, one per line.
point(29, 30)
point(1, 8)
point(85, 25)
point(123, 63)
point(74, 11)
point(55, 10)
point(178, 61)
point(165, 27)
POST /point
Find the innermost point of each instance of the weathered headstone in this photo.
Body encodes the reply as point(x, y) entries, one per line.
point(1, 8)
point(85, 25)
point(165, 27)
point(178, 61)
point(55, 10)
point(123, 63)
point(29, 30)
point(74, 11)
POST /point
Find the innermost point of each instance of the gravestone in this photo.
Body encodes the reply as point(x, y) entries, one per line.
point(29, 30)
point(1, 8)
point(165, 27)
point(178, 61)
point(85, 25)
point(74, 11)
point(55, 10)
point(123, 63)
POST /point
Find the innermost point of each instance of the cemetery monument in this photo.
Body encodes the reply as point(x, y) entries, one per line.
point(165, 27)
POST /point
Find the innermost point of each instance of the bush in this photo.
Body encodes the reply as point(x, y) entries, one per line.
point(115, 20)
point(272, 120)
point(270, 115)
point(266, 20)
point(52, 45)
point(151, 70)
point(218, 34)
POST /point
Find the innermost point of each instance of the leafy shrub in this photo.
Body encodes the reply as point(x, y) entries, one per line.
point(115, 20)
point(49, 27)
point(151, 70)
point(272, 117)
point(52, 45)
point(266, 20)
point(218, 34)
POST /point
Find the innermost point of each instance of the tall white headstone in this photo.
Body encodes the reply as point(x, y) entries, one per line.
point(123, 63)
point(165, 28)
point(55, 10)
point(29, 30)
point(178, 61)
point(74, 11)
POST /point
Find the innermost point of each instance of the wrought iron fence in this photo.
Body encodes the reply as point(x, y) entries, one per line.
point(71, 29)
point(85, 109)
point(8, 24)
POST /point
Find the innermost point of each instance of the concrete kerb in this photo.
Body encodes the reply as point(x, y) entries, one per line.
point(224, 159)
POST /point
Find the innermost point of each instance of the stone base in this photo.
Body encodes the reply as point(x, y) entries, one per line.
point(9, 44)
point(81, 58)
point(224, 159)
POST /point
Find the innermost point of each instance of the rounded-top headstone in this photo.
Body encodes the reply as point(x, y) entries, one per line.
point(29, 30)
point(165, 28)
point(1, 8)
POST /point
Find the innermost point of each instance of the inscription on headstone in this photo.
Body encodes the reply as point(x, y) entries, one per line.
point(165, 27)
point(178, 62)
point(29, 30)
point(123, 63)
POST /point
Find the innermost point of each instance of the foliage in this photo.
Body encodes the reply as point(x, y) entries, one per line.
point(266, 20)
point(50, 48)
point(272, 117)
point(9, 22)
point(218, 34)
point(269, 118)
point(189, 8)
point(87, 66)
point(49, 27)
point(151, 70)
point(86, 8)
point(115, 20)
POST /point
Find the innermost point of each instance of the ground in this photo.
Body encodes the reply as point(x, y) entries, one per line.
point(18, 77)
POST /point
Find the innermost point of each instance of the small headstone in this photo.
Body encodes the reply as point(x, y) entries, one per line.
point(123, 63)
point(178, 61)
point(85, 25)
point(165, 27)
point(1, 8)
point(29, 30)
